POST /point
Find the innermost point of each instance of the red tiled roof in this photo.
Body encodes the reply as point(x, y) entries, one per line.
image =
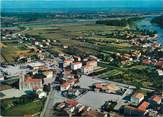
point(35, 88)
point(67, 60)
point(147, 61)
point(71, 102)
point(143, 106)
point(159, 63)
point(77, 63)
point(156, 98)
point(65, 85)
point(30, 79)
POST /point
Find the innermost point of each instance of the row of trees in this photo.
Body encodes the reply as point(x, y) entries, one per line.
point(158, 20)
point(118, 22)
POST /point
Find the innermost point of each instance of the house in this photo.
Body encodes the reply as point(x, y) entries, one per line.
point(156, 99)
point(92, 63)
point(133, 112)
point(67, 62)
point(41, 93)
point(76, 65)
point(159, 64)
point(36, 65)
point(65, 86)
point(137, 98)
point(87, 69)
point(71, 103)
point(29, 83)
point(160, 72)
point(144, 106)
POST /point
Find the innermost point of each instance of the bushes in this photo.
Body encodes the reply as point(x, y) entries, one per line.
point(158, 20)
point(118, 22)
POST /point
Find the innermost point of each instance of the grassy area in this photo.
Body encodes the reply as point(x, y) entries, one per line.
point(20, 110)
point(102, 41)
point(138, 75)
point(12, 50)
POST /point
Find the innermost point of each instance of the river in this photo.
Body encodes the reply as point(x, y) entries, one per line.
point(146, 24)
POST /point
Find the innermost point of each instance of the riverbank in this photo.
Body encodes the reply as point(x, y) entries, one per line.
point(146, 24)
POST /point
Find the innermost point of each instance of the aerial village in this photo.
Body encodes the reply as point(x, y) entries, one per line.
point(67, 82)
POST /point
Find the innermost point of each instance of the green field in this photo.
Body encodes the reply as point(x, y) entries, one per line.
point(21, 110)
point(100, 40)
point(13, 50)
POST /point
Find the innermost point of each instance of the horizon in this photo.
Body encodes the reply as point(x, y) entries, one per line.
point(34, 5)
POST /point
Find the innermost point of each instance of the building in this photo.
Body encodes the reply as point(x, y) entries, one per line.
point(76, 65)
point(72, 103)
point(144, 106)
point(160, 72)
point(29, 83)
point(133, 112)
point(87, 69)
point(65, 86)
point(137, 98)
point(36, 65)
point(67, 62)
point(159, 64)
point(156, 99)
point(92, 63)
point(41, 93)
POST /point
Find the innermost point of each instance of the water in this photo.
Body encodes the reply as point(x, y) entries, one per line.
point(146, 24)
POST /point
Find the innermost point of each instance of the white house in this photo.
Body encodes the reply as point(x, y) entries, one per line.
point(137, 98)
point(76, 65)
point(41, 93)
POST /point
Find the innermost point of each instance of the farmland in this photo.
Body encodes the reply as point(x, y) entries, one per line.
point(88, 38)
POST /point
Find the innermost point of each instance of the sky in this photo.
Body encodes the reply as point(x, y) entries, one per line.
point(42, 4)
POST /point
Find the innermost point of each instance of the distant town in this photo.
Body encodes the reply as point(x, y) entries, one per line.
point(80, 65)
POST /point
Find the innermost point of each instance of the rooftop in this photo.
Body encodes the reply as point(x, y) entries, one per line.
point(138, 95)
point(143, 106)
point(30, 79)
point(156, 98)
point(71, 102)
point(65, 85)
point(76, 63)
